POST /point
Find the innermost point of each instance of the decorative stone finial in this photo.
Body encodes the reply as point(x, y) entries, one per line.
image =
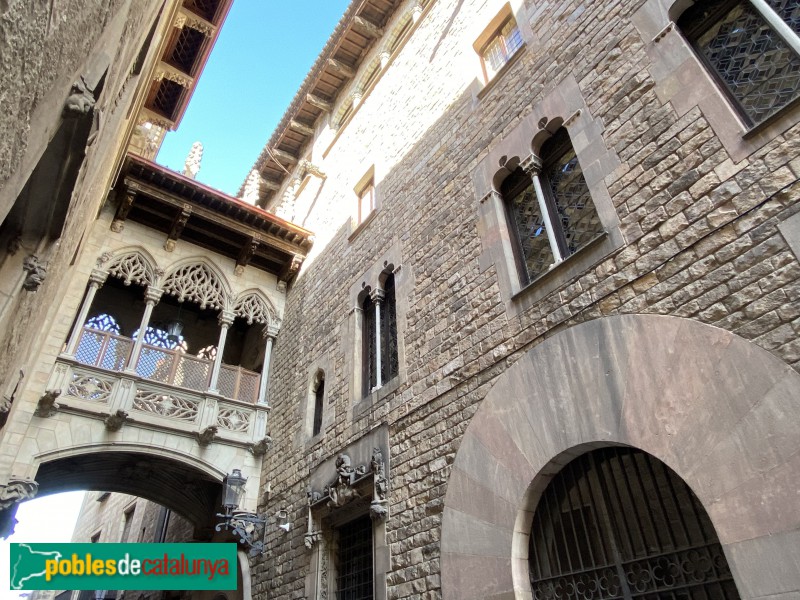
point(192, 165)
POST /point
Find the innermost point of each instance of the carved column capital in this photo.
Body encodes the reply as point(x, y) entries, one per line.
point(98, 277)
point(226, 318)
point(271, 331)
point(377, 295)
point(532, 165)
point(153, 294)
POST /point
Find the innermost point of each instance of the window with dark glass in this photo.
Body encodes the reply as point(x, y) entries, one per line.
point(752, 49)
point(369, 375)
point(618, 524)
point(354, 571)
point(379, 338)
point(319, 395)
point(556, 220)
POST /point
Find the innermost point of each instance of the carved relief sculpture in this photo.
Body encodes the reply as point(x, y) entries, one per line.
point(47, 405)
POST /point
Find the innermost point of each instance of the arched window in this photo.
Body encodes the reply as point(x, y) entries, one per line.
point(380, 361)
point(618, 524)
point(104, 322)
point(556, 220)
point(751, 48)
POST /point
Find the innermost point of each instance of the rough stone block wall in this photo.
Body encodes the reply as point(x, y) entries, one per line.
point(701, 241)
point(44, 48)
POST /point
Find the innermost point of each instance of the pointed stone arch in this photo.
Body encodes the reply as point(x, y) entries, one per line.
point(254, 307)
point(133, 265)
point(717, 409)
point(198, 280)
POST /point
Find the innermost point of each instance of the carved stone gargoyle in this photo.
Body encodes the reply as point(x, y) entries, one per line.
point(36, 273)
point(80, 100)
point(115, 421)
point(47, 405)
point(260, 447)
point(205, 437)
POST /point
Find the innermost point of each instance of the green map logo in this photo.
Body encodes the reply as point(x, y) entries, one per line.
point(123, 566)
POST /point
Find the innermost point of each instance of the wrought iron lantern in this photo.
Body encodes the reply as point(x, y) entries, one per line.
point(243, 524)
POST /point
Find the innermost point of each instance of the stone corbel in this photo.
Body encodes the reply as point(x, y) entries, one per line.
point(205, 437)
point(245, 256)
point(261, 447)
point(47, 405)
point(178, 223)
point(115, 421)
point(36, 273)
point(309, 168)
point(291, 270)
point(125, 205)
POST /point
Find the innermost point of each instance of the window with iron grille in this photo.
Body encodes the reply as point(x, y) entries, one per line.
point(551, 212)
point(503, 44)
point(354, 563)
point(753, 50)
point(618, 524)
point(126, 524)
point(380, 362)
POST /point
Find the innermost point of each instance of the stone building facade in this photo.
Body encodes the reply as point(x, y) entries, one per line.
point(673, 330)
point(546, 339)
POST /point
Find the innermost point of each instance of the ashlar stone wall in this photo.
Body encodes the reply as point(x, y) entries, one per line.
point(698, 226)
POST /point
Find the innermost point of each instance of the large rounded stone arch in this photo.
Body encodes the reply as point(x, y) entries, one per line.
point(182, 482)
point(720, 411)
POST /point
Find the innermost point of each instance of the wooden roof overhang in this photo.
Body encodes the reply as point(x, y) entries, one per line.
point(185, 209)
point(362, 24)
point(185, 53)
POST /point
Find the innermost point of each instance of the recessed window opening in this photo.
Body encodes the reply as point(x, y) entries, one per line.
point(319, 396)
point(502, 45)
point(550, 209)
point(366, 201)
point(354, 561)
point(752, 49)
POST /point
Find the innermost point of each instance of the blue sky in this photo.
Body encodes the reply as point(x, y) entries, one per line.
point(261, 57)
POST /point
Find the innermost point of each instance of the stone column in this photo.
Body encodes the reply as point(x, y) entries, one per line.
point(270, 332)
point(225, 321)
point(533, 166)
point(96, 279)
point(377, 296)
point(151, 297)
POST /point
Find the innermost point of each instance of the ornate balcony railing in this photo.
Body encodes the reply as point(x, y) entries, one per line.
point(95, 390)
point(109, 351)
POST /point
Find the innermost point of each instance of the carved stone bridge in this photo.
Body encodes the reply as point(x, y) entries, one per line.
point(153, 370)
